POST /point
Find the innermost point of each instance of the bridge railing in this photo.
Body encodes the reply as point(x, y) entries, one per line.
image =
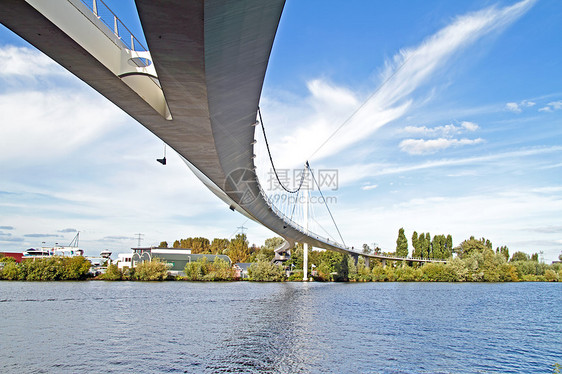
point(298, 227)
point(295, 225)
point(110, 19)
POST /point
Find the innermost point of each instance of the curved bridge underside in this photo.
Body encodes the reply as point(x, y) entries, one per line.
point(200, 94)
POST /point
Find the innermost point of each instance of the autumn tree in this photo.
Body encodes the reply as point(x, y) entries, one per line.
point(238, 250)
point(219, 246)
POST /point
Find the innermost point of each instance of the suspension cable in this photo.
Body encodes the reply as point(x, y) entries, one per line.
point(271, 160)
point(305, 168)
point(294, 205)
point(325, 203)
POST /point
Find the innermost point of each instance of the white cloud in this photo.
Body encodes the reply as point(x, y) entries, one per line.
point(72, 159)
point(422, 146)
point(26, 62)
point(514, 107)
point(552, 106)
point(315, 125)
point(518, 107)
point(369, 187)
point(469, 126)
point(43, 125)
point(445, 131)
point(351, 173)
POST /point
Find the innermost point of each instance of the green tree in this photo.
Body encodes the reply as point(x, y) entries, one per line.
point(519, 256)
point(438, 245)
point(273, 243)
point(427, 246)
point(363, 271)
point(366, 249)
point(472, 245)
point(342, 269)
point(351, 268)
point(416, 245)
point(163, 244)
point(449, 246)
point(504, 251)
point(535, 257)
point(401, 244)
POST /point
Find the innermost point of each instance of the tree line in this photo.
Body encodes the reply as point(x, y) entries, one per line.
point(238, 249)
point(45, 269)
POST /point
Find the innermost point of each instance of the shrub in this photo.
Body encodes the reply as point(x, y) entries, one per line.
point(407, 274)
point(551, 276)
point(154, 270)
point(113, 273)
point(266, 271)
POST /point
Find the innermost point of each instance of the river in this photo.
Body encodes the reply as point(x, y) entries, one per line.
point(244, 327)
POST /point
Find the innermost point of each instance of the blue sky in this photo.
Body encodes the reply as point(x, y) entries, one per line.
point(451, 114)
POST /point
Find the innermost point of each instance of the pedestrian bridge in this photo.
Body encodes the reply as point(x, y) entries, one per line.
point(196, 85)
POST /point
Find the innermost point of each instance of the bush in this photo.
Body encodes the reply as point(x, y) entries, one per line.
point(113, 273)
point(551, 276)
point(154, 270)
point(266, 271)
point(407, 274)
point(438, 272)
point(298, 274)
point(10, 271)
point(47, 269)
point(203, 270)
point(380, 274)
point(195, 271)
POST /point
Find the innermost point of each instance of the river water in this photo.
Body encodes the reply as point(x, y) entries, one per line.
point(244, 327)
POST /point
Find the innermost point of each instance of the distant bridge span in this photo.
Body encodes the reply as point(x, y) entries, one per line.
point(199, 94)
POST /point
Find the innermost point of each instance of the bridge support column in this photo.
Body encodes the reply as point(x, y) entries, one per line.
point(383, 263)
point(355, 258)
point(305, 245)
point(305, 262)
point(367, 261)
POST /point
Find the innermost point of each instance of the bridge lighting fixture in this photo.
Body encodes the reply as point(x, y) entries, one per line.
point(256, 123)
point(254, 142)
